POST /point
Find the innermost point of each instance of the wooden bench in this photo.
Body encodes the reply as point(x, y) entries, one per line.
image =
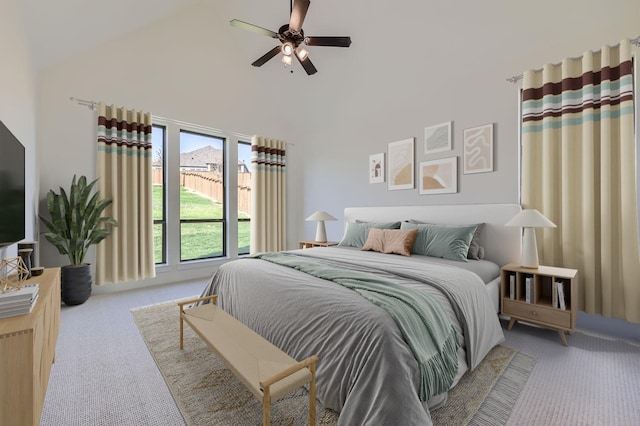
point(265, 370)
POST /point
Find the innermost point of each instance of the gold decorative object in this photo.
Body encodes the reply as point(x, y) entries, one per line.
point(13, 273)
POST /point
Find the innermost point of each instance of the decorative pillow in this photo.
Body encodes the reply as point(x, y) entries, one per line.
point(356, 233)
point(449, 242)
point(389, 241)
point(476, 251)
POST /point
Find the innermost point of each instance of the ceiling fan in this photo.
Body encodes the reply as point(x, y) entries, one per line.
point(292, 37)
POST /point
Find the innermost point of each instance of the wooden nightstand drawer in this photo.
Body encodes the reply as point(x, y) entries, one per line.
point(537, 313)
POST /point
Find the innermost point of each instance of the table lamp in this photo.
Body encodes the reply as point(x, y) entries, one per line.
point(320, 216)
point(529, 219)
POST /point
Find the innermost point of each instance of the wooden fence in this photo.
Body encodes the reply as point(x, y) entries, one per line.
point(209, 184)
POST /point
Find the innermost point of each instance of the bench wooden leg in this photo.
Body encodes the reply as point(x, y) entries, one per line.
point(312, 395)
point(181, 328)
point(266, 406)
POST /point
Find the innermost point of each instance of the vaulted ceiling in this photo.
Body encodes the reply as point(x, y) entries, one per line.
point(61, 28)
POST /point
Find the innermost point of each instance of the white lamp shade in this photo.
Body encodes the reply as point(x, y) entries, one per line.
point(320, 216)
point(530, 219)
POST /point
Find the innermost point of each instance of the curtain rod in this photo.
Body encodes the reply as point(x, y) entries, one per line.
point(93, 104)
point(516, 78)
point(89, 104)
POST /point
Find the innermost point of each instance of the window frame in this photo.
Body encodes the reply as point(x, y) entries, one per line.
point(172, 191)
point(223, 220)
point(162, 221)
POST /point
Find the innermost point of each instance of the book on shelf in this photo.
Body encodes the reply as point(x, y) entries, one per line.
point(512, 286)
point(528, 289)
point(561, 300)
point(554, 295)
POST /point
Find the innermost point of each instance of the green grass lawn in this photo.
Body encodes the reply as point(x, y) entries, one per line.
point(198, 240)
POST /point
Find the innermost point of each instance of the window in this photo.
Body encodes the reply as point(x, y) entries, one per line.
point(244, 197)
point(158, 136)
point(202, 195)
point(193, 212)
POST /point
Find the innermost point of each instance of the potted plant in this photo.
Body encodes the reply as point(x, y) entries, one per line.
point(76, 224)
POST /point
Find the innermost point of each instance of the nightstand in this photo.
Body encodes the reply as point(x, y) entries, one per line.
point(309, 244)
point(546, 296)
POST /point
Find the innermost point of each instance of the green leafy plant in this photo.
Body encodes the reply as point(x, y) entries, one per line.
point(76, 220)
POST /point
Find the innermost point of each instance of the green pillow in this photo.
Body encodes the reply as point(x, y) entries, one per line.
point(356, 233)
point(449, 242)
point(476, 251)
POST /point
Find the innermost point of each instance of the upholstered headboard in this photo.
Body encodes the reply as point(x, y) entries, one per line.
point(501, 243)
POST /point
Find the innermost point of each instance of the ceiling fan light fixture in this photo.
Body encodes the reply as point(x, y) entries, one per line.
point(286, 59)
point(287, 49)
point(302, 53)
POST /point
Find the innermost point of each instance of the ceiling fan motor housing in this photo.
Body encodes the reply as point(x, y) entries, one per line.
point(285, 34)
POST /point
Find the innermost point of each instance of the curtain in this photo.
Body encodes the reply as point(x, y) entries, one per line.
point(268, 195)
point(124, 174)
point(579, 170)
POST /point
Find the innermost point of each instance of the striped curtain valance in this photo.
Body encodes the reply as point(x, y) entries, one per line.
point(565, 95)
point(116, 134)
point(268, 156)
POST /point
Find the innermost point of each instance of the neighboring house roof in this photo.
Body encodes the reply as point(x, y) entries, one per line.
point(201, 157)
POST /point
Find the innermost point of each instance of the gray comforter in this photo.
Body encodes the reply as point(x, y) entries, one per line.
point(366, 370)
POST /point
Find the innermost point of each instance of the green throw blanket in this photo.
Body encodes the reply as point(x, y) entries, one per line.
point(420, 318)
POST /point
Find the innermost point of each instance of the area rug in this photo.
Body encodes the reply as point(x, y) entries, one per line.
point(207, 393)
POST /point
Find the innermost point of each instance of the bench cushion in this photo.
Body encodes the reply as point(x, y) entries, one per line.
point(251, 357)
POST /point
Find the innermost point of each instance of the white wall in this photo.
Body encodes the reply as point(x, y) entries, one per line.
point(412, 64)
point(18, 107)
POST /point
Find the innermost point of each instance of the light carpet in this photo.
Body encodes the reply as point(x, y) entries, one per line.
point(208, 393)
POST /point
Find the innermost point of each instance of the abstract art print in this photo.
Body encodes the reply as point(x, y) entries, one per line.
point(439, 176)
point(376, 168)
point(478, 149)
point(437, 138)
point(400, 164)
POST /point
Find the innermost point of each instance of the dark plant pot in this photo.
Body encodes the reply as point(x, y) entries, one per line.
point(75, 283)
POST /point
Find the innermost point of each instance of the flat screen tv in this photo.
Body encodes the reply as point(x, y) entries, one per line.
point(12, 187)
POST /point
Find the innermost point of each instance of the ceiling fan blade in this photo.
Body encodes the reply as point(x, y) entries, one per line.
point(307, 64)
point(256, 29)
point(264, 58)
point(328, 41)
point(298, 13)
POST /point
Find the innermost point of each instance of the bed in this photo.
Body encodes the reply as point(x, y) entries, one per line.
point(369, 369)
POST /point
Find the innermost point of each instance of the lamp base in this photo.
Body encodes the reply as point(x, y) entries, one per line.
point(321, 233)
point(529, 257)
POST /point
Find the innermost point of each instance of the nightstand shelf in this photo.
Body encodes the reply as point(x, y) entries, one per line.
point(541, 301)
point(310, 244)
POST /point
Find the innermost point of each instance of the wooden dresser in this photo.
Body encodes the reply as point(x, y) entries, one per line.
point(27, 350)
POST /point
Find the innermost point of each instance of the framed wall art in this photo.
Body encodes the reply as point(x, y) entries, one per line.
point(400, 164)
point(376, 168)
point(478, 149)
point(439, 176)
point(437, 138)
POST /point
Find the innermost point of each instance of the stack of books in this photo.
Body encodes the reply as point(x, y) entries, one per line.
point(19, 302)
